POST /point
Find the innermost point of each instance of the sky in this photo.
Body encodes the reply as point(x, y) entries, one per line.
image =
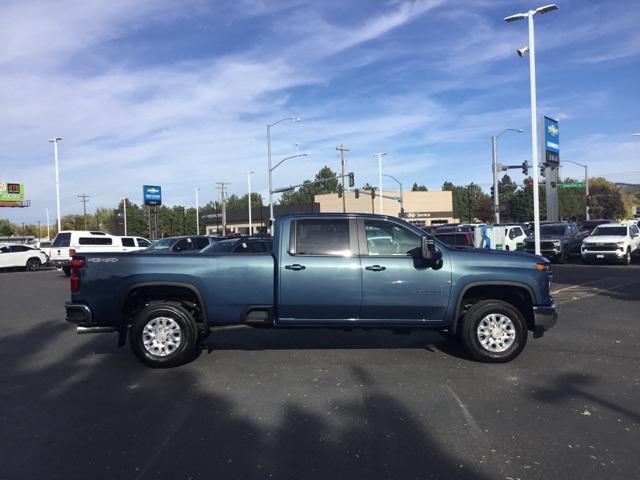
point(179, 93)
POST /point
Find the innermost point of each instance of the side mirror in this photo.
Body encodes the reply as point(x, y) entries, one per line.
point(428, 247)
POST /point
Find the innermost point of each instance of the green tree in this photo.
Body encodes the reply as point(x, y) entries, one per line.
point(6, 228)
point(466, 199)
point(607, 199)
point(309, 189)
point(418, 188)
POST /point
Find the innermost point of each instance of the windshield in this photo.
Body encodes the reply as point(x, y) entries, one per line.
point(164, 244)
point(553, 230)
point(225, 246)
point(615, 231)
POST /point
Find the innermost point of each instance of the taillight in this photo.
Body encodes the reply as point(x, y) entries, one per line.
point(76, 264)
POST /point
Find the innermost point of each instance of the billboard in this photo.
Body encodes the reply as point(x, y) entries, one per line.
point(11, 192)
point(152, 194)
point(551, 141)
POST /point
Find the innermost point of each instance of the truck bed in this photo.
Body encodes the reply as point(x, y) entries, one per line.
point(227, 283)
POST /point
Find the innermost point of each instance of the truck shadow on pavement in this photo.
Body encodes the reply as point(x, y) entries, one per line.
point(81, 414)
point(567, 387)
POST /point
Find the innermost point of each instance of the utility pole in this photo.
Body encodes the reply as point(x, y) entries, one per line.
point(380, 155)
point(222, 187)
point(84, 198)
point(124, 208)
point(342, 149)
point(249, 196)
point(38, 230)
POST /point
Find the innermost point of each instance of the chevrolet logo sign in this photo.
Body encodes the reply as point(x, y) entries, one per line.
point(553, 130)
point(152, 190)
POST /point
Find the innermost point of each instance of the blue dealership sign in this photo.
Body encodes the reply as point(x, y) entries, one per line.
point(551, 140)
point(152, 194)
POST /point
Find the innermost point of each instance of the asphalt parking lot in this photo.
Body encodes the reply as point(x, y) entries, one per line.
point(324, 404)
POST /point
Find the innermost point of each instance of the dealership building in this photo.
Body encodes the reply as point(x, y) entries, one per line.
point(420, 208)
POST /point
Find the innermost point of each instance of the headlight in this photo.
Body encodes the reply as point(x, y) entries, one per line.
point(556, 243)
point(620, 244)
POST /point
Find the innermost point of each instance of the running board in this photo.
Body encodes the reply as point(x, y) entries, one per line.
point(82, 330)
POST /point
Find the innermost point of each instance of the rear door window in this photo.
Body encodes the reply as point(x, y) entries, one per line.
point(62, 240)
point(322, 237)
point(143, 242)
point(128, 242)
point(18, 248)
point(201, 242)
point(184, 245)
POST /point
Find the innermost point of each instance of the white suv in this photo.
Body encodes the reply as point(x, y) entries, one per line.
point(611, 241)
point(24, 256)
point(68, 243)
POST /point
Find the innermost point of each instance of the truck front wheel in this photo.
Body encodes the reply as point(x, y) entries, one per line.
point(493, 331)
point(164, 335)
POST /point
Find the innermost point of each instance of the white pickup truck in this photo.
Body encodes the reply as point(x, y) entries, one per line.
point(69, 242)
point(611, 241)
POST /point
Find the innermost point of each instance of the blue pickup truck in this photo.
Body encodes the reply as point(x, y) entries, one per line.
point(326, 270)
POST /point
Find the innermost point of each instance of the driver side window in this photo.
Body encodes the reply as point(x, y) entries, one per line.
point(385, 238)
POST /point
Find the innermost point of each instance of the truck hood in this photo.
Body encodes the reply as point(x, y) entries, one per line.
point(497, 256)
point(605, 239)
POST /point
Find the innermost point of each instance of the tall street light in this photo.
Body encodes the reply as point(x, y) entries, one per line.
point(124, 209)
point(55, 141)
point(249, 198)
point(269, 125)
point(197, 190)
point(586, 184)
point(379, 155)
point(531, 49)
point(401, 192)
point(494, 150)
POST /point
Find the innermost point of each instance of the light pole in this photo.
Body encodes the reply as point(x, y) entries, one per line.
point(197, 190)
point(271, 191)
point(249, 197)
point(48, 227)
point(494, 150)
point(380, 155)
point(55, 141)
point(124, 211)
point(586, 183)
point(534, 128)
point(401, 193)
point(269, 125)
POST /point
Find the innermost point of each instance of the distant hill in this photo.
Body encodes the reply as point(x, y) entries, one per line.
point(629, 187)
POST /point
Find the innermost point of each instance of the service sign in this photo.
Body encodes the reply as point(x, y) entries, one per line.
point(152, 194)
point(11, 192)
point(551, 140)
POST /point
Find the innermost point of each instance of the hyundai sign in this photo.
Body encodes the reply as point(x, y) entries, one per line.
point(551, 141)
point(152, 194)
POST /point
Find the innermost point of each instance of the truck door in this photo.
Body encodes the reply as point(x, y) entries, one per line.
point(396, 283)
point(320, 279)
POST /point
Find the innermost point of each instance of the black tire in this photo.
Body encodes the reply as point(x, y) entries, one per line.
point(470, 337)
point(626, 260)
point(562, 258)
point(181, 353)
point(33, 264)
point(67, 271)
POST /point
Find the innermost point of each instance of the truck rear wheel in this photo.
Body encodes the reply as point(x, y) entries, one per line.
point(164, 335)
point(494, 331)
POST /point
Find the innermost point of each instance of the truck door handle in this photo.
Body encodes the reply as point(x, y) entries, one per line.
point(375, 268)
point(295, 266)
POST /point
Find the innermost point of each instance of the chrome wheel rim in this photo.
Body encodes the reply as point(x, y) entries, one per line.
point(161, 336)
point(496, 332)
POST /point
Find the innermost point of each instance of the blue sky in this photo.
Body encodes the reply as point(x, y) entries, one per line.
point(178, 93)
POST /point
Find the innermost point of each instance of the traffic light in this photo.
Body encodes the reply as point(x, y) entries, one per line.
point(357, 192)
point(373, 193)
point(340, 191)
point(588, 200)
point(493, 191)
point(352, 180)
point(525, 168)
point(543, 170)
